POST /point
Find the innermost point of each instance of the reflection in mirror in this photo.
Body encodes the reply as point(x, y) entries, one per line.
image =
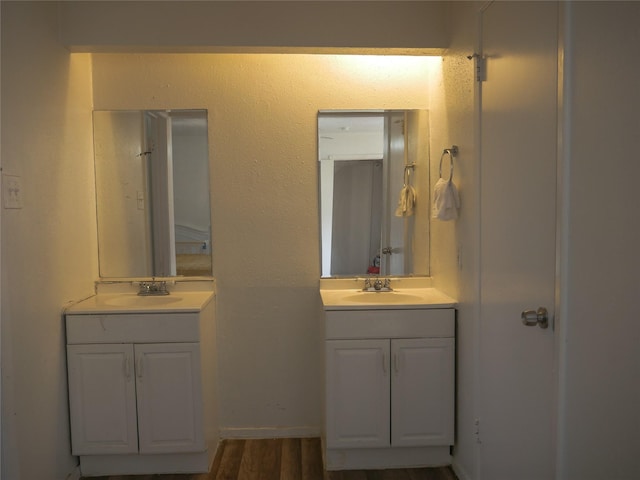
point(152, 191)
point(367, 159)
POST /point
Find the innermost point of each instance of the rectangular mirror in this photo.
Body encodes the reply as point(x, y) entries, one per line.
point(367, 159)
point(152, 192)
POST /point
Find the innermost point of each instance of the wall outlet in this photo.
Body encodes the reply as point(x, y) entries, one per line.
point(11, 191)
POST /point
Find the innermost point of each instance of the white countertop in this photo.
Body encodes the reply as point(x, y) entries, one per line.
point(133, 303)
point(401, 298)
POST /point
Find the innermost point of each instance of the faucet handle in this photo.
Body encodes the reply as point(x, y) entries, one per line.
point(153, 288)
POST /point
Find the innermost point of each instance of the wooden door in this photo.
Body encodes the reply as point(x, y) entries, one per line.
point(102, 399)
point(518, 128)
point(357, 393)
point(422, 392)
point(169, 393)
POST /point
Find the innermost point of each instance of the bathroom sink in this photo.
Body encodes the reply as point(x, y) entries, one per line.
point(382, 297)
point(400, 298)
point(132, 300)
point(181, 301)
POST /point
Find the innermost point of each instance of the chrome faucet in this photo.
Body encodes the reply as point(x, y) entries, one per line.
point(378, 285)
point(153, 288)
point(367, 284)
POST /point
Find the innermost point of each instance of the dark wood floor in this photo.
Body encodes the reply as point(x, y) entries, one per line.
point(285, 459)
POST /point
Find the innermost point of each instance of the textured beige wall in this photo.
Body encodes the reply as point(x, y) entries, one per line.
point(454, 245)
point(49, 253)
point(262, 147)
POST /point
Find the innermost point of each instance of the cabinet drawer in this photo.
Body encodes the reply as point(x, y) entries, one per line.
point(133, 328)
point(390, 323)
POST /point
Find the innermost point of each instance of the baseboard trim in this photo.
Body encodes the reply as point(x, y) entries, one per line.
point(269, 432)
point(460, 472)
point(75, 474)
point(384, 458)
point(148, 464)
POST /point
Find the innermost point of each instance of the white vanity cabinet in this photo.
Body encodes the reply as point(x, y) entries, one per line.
point(422, 391)
point(142, 384)
point(169, 394)
point(102, 399)
point(389, 387)
point(130, 398)
point(357, 393)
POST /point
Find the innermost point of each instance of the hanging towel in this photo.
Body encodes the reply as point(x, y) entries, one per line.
point(446, 200)
point(407, 201)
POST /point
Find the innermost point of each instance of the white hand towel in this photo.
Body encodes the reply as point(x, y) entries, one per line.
point(407, 202)
point(446, 200)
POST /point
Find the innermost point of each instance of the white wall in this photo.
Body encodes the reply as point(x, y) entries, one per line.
point(211, 26)
point(452, 106)
point(600, 390)
point(418, 152)
point(191, 176)
point(49, 246)
point(121, 174)
point(263, 163)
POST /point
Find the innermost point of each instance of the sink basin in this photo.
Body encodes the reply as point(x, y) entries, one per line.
point(400, 298)
point(141, 301)
point(382, 298)
point(130, 302)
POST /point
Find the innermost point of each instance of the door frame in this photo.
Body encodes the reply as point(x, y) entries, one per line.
point(563, 171)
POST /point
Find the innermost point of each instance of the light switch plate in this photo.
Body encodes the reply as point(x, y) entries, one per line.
point(11, 191)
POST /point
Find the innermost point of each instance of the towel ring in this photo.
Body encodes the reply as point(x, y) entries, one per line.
point(447, 151)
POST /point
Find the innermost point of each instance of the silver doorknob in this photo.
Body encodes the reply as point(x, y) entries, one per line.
point(539, 317)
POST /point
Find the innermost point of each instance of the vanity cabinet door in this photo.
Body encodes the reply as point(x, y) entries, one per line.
point(102, 399)
point(169, 391)
point(357, 393)
point(422, 392)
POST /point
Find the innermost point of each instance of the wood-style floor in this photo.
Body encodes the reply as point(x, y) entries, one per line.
point(285, 459)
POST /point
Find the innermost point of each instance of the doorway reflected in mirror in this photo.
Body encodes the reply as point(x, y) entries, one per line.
point(362, 157)
point(152, 190)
